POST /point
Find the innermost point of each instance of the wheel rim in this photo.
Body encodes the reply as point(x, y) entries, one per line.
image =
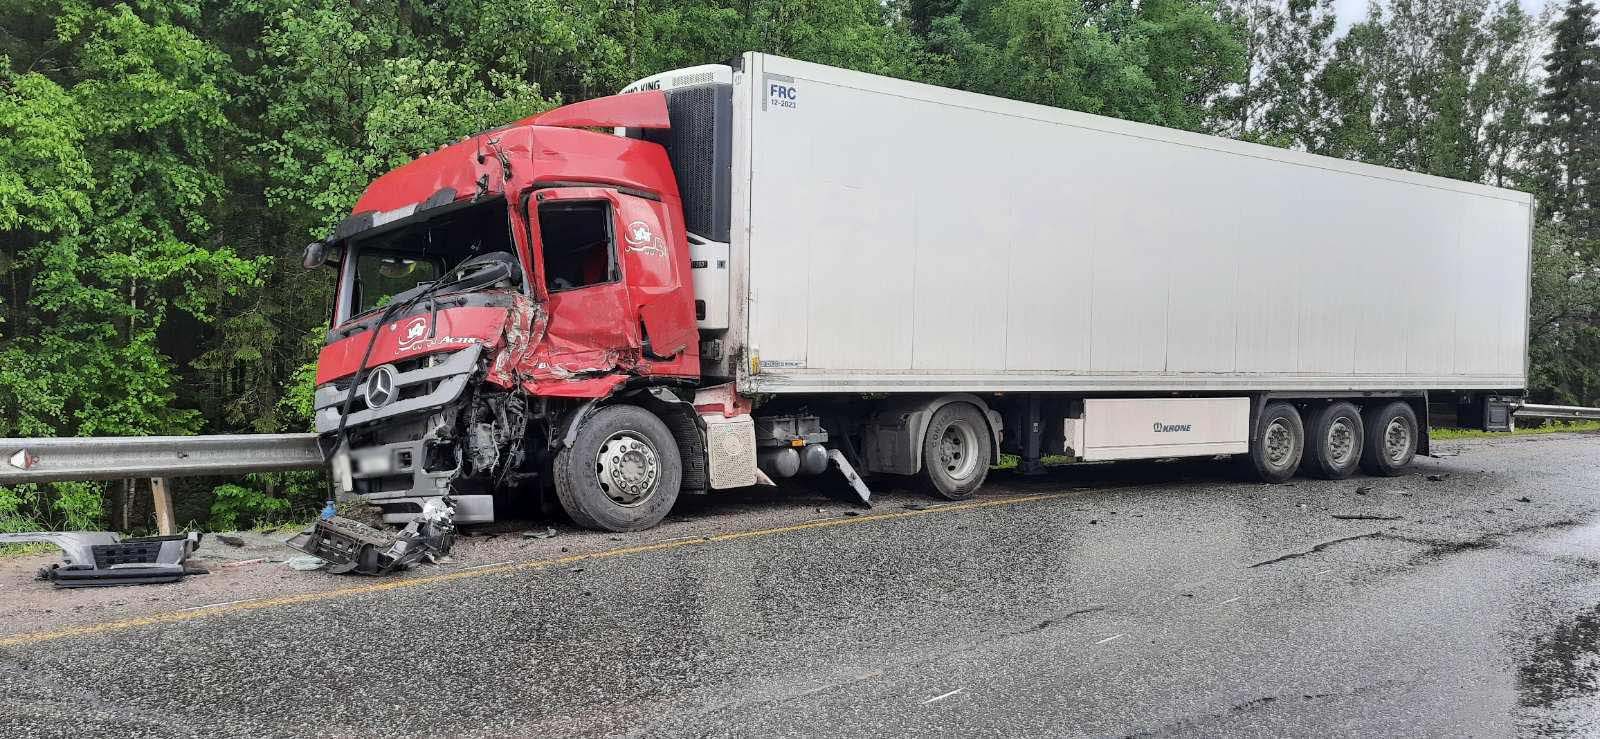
point(1341, 442)
point(958, 451)
point(1397, 439)
point(1279, 443)
point(627, 467)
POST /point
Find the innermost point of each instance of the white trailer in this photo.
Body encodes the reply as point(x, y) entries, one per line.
point(1113, 290)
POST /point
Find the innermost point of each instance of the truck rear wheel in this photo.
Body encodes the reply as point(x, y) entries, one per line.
point(1391, 439)
point(621, 472)
point(955, 452)
point(1279, 441)
point(1334, 442)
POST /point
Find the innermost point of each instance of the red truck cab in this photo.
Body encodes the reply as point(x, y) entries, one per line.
point(487, 292)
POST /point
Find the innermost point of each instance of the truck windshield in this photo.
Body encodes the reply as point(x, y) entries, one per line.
point(396, 263)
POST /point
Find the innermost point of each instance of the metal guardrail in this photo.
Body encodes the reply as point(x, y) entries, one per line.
point(1531, 410)
point(115, 458)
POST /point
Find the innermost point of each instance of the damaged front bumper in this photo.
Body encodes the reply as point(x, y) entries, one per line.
point(405, 456)
point(101, 558)
point(351, 546)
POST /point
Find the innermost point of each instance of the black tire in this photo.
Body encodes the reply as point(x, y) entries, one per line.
point(955, 452)
point(1392, 436)
point(1279, 442)
point(1334, 442)
point(596, 493)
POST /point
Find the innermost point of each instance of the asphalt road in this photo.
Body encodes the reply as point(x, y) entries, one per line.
point(1126, 600)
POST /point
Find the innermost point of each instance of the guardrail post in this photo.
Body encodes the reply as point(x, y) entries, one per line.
point(166, 521)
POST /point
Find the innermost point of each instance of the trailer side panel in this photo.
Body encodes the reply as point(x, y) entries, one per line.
point(902, 237)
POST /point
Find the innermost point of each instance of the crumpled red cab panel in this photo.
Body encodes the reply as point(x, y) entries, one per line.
point(414, 336)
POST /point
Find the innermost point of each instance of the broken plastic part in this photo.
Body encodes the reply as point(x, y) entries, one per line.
point(101, 558)
point(351, 546)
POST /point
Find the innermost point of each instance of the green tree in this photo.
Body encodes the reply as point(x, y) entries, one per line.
point(1564, 324)
point(1286, 44)
point(1158, 61)
point(1568, 177)
point(1435, 86)
point(124, 108)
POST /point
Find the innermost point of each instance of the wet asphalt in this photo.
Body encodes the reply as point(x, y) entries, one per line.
point(1133, 600)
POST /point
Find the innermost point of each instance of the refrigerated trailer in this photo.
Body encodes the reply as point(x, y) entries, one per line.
point(734, 273)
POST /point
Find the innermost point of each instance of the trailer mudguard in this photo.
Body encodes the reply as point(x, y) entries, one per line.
point(892, 441)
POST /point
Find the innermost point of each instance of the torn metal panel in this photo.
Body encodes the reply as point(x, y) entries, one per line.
point(351, 546)
point(524, 328)
point(101, 558)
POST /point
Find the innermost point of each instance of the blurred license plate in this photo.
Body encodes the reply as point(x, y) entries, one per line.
point(376, 464)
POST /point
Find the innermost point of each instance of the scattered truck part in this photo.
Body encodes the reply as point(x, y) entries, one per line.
point(770, 268)
point(102, 558)
point(352, 546)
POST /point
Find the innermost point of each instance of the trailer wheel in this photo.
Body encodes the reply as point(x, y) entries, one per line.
point(1334, 444)
point(621, 472)
point(955, 452)
point(1391, 438)
point(1279, 441)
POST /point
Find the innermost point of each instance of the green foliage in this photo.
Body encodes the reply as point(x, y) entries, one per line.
point(1435, 86)
point(1553, 427)
point(1286, 44)
point(1569, 132)
point(236, 505)
point(65, 506)
point(267, 498)
point(1564, 323)
point(1157, 61)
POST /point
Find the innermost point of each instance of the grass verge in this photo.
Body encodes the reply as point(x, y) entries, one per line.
point(1554, 427)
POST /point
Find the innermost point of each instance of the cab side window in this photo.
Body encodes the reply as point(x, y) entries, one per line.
point(578, 243)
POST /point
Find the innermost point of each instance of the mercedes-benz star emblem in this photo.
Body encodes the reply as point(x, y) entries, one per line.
point(380, 386)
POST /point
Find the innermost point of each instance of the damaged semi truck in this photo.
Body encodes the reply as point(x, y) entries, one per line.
point(740, 272)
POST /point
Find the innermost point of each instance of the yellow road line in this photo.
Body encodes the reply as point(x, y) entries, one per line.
point(410, 582)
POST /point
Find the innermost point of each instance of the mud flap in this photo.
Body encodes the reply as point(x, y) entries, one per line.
point(850, 476)
point(351, 546)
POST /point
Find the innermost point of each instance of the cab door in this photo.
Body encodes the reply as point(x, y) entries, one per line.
point(592, 321)
point(656, 265)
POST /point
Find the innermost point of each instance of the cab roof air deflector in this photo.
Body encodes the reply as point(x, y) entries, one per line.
point(646, 109)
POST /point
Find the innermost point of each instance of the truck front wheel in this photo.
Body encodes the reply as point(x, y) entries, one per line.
point(1391, 438)
point(621, 472)
point(1279, 441)
point(1333, 446)
point(955, 452)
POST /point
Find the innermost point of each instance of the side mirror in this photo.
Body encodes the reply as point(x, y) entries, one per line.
point(319, 253)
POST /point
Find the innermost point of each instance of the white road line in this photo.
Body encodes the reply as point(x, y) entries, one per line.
point(942, 697)
point(1226, 602)
point(1109, 638)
